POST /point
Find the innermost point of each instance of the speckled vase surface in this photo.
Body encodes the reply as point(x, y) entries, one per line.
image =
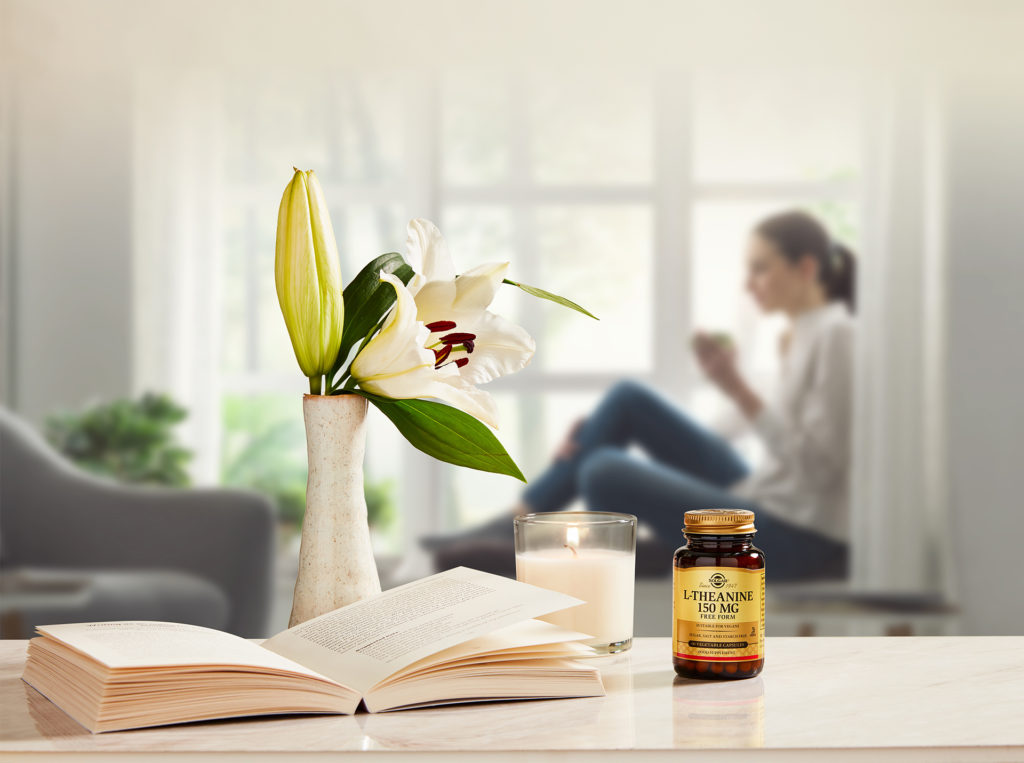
point(336, 565)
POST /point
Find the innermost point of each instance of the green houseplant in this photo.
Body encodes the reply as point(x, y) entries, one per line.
point(127, 440)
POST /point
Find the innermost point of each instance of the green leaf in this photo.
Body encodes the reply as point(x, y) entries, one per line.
point(448, 434)
point(129, 440)
point(366, 301)
point(537, 292)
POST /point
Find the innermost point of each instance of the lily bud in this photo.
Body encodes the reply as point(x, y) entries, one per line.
point(308, 276)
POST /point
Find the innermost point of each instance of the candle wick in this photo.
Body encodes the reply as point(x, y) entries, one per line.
point(571, 548)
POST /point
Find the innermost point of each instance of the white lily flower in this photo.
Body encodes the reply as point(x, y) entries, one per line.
point(463, 332)
point(397, 363)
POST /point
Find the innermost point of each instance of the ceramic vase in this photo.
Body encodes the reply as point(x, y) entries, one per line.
point(336, 564)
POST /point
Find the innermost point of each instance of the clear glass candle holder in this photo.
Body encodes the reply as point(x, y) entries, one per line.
point(587, 554)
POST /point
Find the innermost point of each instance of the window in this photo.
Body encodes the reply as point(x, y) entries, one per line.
point(351, 131)
point(632, 195)
point(763, 142)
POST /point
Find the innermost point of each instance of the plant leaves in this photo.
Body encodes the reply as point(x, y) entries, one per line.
point(130, 440)
point(448, 434)
point(538, 292)
point(366, 301)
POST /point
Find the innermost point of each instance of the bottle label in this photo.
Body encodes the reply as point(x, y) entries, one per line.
point(718, 614)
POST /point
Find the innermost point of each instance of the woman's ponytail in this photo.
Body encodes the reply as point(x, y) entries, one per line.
point(841, 283)
point(798, 234)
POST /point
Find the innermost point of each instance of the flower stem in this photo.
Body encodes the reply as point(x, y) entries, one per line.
point(335, 384)
point(315, 383)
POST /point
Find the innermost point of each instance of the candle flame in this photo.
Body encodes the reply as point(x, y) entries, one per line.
point(572, 539)
point(572, 536)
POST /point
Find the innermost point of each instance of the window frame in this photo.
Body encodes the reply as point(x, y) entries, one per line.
point(672, 195)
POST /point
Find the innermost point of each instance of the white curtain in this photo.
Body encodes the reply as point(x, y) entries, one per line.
point(899, 476)
point(177, 249)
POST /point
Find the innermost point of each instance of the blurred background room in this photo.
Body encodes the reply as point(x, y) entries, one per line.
point(618, 153)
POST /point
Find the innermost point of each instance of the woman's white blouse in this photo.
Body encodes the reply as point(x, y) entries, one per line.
point(806, 427)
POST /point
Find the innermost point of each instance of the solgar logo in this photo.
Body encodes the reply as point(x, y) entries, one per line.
point(718, 580)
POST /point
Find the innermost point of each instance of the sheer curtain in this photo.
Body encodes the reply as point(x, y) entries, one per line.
point(177, 242)
point(899, 477)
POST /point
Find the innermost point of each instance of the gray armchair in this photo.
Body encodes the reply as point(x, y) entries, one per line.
point(77, 548)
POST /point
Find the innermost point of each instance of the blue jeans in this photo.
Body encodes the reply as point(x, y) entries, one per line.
point(689, 468)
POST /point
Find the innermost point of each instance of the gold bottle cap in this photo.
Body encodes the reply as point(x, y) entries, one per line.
point(719, 522)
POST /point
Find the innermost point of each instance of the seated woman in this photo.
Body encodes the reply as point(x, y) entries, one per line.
point(800, 492)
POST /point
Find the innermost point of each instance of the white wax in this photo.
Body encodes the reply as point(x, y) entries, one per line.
point(600, 577)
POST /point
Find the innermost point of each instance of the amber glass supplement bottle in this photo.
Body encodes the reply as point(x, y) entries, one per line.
point(718, 600)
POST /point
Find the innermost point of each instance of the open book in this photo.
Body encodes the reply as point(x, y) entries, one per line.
point(458, 636)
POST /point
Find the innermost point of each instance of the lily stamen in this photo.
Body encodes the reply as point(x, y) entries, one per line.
point(458, 337)
point(441, 326)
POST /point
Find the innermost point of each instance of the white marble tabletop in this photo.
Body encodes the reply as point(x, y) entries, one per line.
point(923, 699)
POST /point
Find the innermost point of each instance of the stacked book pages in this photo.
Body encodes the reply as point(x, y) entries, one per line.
point(459, 636)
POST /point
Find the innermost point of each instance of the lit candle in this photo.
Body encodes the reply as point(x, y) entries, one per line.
point(589, 565)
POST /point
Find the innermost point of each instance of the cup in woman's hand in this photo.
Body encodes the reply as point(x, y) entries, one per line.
point(723, 340)
point(708, 343)
point(716, 355)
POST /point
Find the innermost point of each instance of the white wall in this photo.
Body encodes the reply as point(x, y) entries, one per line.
point(985, 238)
point(68, 199)
point(72, 239)
point(7, 58)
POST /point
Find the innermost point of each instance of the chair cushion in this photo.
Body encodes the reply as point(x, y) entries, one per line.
point(486, 555)
point(130, 594)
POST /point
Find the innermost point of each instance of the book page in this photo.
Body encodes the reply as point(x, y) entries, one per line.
point(526, 637)
point(363, 643)
point(148, 644)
